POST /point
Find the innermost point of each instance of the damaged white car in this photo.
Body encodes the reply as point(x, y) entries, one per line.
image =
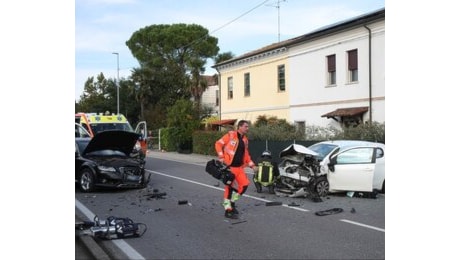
point(332, 166)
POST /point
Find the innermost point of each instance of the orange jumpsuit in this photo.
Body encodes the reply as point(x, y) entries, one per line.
point(226, 148)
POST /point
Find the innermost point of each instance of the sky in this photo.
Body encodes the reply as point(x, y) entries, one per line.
point(102, 27)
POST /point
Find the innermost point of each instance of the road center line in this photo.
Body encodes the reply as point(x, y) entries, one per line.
point(221, 189)
point(260, 199)
point(363, 225)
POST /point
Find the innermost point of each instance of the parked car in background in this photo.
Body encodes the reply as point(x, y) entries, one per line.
point(332, 166)
point(107, 160)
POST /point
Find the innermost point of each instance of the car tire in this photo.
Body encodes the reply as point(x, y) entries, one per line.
point(322, 186)
point(86, 180)
point(383, 187)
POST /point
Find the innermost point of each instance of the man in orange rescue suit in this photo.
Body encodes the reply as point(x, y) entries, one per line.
point(232, 150)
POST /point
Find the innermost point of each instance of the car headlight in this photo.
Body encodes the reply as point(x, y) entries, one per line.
point(106, 169)
point(137, 147)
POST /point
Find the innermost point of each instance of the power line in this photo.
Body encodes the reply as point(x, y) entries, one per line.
point(240, 16)
point(228, 23)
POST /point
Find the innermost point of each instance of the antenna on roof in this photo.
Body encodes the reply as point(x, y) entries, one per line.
point(278, 7)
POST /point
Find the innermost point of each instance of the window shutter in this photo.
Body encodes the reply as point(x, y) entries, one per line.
point(353, 60)
point(331, 63)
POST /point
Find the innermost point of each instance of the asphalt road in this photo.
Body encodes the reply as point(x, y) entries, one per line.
point(198, 228)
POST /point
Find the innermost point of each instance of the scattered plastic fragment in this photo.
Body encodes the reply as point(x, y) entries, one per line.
point(328, 212)
point(157, 195)
point(273, 203)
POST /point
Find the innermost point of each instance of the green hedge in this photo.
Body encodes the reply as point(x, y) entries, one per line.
point(203, 141)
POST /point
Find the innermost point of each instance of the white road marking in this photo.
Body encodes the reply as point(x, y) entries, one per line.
point(221, 189)
point(259, 199)
point(120, 243)
point(363, 225)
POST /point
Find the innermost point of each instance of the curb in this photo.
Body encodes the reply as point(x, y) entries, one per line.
point(94, 249)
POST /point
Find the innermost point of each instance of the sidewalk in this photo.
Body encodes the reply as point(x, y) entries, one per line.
point(86, 247)
point(193, 158)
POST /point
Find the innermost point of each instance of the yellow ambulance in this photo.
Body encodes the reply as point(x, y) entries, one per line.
point(99, 122)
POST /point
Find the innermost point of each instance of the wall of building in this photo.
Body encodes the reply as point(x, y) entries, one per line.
point(209, 98)
point(307, 95)
point(264, 99)
point(311, 97)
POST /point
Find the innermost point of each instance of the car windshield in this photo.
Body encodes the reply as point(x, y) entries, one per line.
point(100, 127)
point(322, 149)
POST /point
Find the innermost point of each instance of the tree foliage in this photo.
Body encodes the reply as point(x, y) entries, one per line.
point(98, 95)
point(184, 117)
point(224, 56)
point(274, 129)
point(172, 59)
point(175, 56)
point(374, 132)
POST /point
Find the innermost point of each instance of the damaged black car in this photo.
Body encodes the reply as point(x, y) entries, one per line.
point(107, 160)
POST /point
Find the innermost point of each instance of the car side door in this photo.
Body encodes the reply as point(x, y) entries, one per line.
point(352, 170)
point(141, 129)
point(80, 131)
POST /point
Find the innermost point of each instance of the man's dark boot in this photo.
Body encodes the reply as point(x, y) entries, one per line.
point(230, 214)
point(235, 211)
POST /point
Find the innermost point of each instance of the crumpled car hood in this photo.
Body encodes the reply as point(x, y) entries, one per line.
point(122, 141)
point(295, 149)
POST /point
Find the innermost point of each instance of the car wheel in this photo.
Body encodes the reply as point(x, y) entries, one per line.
point(86, 181)
point(322, 186)
point(383, 187)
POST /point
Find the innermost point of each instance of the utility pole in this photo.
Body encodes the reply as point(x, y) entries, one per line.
point(118, 83)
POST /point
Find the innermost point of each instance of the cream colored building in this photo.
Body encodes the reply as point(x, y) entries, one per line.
point(332, 76)
point(250, 86)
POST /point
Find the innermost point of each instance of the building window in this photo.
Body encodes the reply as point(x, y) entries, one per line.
point(331, 70)
point(217, 97)
point(247, 86)
point(230, 87)
point(353, 65)
point(281, 78)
